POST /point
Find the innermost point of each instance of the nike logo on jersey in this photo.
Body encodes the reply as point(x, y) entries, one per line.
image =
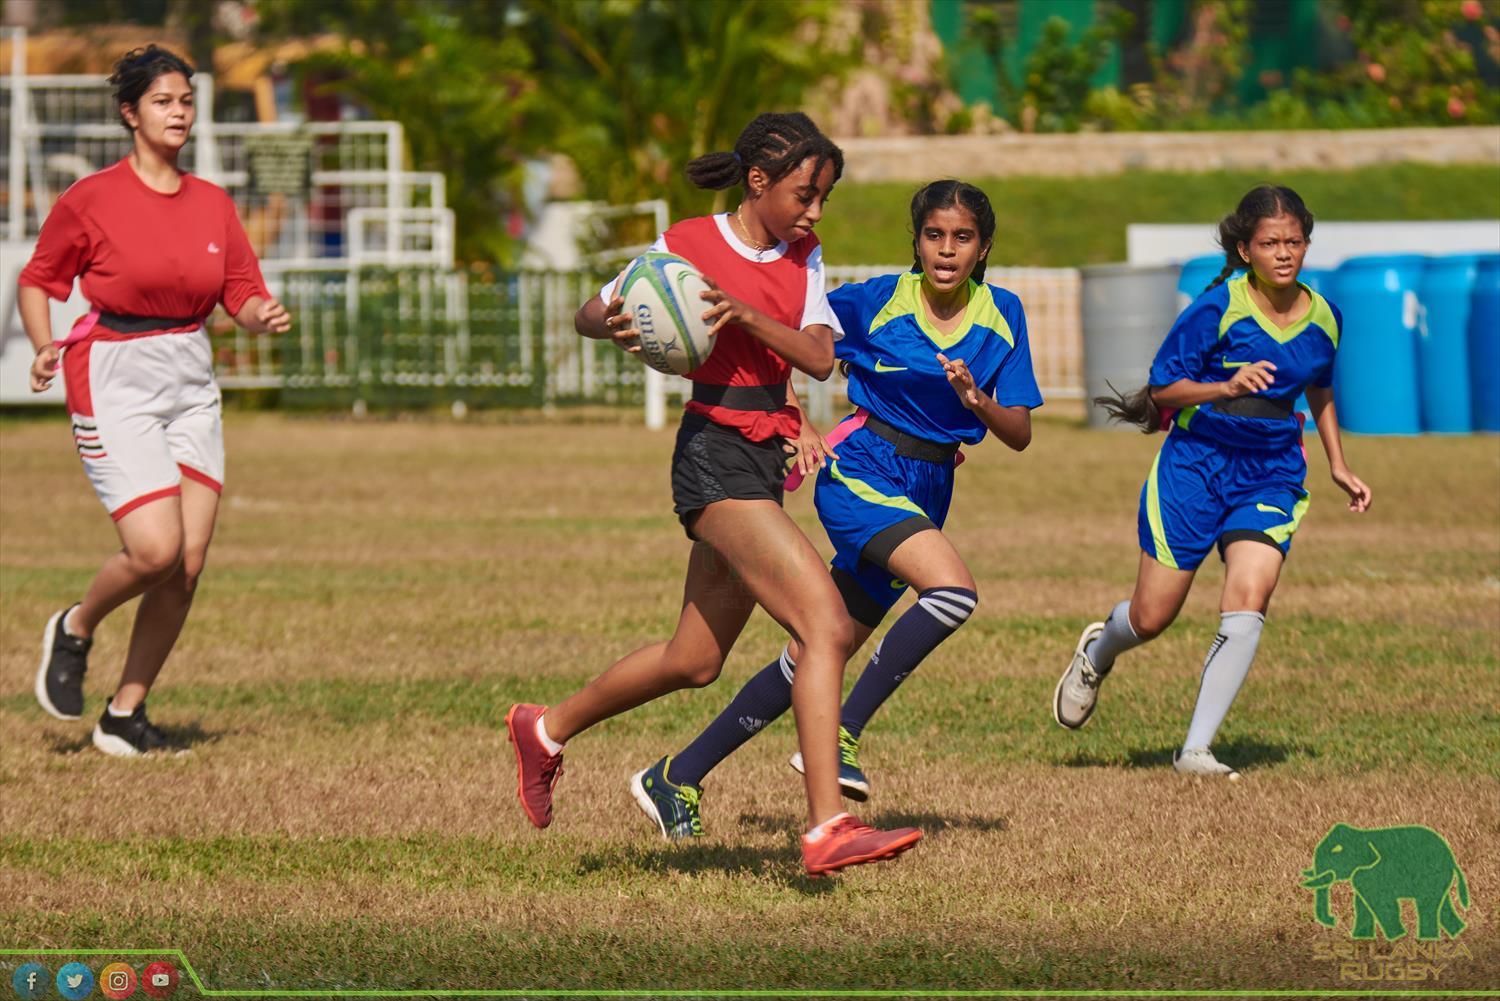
point(1234, 364)
point(881, 366)
point(213, 248)
point(1268, 509)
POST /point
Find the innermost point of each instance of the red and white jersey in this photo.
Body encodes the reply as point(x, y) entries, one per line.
point(785, 282)
point(140, 252)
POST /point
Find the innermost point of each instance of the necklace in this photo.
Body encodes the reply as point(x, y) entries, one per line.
point(759, 248)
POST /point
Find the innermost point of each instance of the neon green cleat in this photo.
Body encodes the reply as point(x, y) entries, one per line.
point(674, 808)
point(852, 781)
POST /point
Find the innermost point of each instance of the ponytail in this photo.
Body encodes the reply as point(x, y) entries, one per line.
point(1137, 408)
point(776, 143)
point(715, 171)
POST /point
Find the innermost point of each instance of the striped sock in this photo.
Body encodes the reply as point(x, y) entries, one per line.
point(939, 611)
point(1224, 671)
point(763, 699)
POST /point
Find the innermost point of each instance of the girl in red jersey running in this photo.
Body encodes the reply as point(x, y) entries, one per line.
point(770, 314)
point(156, 249)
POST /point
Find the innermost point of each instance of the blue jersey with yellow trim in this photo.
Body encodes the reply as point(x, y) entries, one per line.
point(1222, 331)
point(892, 353)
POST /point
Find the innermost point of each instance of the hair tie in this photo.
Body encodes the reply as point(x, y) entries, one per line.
point(737, 161)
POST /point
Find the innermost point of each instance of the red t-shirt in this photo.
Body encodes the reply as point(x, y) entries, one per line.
point(143, 253)
point(785, 283)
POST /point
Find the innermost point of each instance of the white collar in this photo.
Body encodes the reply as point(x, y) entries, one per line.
point(742, 248)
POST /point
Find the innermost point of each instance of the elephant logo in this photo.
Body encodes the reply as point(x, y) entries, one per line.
point(1384, 866)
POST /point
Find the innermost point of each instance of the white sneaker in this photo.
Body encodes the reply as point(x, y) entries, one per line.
point(1078, 689)
point(1201, 761)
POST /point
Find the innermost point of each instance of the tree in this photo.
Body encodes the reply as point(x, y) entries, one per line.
point(643, 86)
point(457, 74)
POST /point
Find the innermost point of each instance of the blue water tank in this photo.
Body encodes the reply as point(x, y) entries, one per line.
point(1484, 343)
point(1196, 274)
point(1316, 279)
point(1443, 347)
point(1375, 376)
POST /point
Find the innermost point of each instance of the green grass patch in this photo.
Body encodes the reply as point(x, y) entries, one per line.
point(377, 595)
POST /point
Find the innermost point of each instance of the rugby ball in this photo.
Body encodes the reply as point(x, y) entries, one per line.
point(661, 293)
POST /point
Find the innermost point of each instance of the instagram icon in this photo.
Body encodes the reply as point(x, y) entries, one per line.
point(117, 981)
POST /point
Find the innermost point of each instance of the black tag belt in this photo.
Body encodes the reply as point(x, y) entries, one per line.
point(909, 445)
point(122, 324)
point(764, 398)
point(1255, 406)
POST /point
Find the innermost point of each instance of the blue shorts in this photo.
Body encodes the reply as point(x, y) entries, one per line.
point(869, 494)
point(1201, 494)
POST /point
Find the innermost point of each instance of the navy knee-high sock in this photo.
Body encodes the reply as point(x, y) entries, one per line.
point(763, 699)
point(938, 612)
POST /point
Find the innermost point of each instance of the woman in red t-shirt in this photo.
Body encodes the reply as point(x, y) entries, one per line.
point(771, 315)
point(156, 250)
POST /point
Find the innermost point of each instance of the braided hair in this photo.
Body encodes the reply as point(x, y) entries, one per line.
point(138, 69)
point(776, 143)
point(1264, 201)
point(948, 195)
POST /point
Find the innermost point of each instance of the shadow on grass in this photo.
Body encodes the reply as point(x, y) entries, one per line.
point(186, 736)
point(927, 823)
point(1242, 752)
point(783, 865)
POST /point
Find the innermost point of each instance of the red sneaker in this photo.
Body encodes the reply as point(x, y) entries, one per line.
point(848, 841)
point(536, 770)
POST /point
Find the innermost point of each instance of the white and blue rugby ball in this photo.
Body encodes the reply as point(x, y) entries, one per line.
point(662, 298)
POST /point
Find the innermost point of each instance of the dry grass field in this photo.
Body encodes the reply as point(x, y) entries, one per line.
point(379, 592)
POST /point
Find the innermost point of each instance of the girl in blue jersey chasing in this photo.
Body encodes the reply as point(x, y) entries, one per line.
point(935, 359)
point(1230, 473)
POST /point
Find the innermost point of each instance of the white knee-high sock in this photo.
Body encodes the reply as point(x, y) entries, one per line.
point(1224, 671)
point(1115, 640)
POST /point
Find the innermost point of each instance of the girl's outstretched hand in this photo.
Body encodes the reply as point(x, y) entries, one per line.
point(44, 367)
point(273, 317)
point(811, 450)
point(1252, 378)
point(1360, 496)
point(962, 381)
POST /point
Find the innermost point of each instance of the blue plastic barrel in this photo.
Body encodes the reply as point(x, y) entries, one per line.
point(1375, 375)
point(1443, 347)
point(1484, 343)
point(1196, 274)
point(1317, 279)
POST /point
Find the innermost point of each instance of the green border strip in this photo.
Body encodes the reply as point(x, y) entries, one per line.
point(206, 992)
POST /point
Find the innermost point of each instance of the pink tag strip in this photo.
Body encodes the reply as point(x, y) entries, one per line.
point(846, 427)
point(81, 329)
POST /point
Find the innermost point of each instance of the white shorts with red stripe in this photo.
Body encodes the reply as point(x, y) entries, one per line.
point(146, 414)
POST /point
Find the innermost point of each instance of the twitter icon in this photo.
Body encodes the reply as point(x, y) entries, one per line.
point(75, 981)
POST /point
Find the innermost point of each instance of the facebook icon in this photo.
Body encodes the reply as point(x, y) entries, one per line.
point(30, 980)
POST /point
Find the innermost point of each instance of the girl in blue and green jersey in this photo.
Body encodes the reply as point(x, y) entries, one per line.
point(935, 359)
point(1230, 474)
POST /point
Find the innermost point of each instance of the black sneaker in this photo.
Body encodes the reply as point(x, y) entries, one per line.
point(133, 735)
point(59, 679)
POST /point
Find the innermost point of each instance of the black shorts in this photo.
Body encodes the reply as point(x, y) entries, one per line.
point(713, 463)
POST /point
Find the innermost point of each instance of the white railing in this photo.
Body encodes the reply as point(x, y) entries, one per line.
point(64, 127)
